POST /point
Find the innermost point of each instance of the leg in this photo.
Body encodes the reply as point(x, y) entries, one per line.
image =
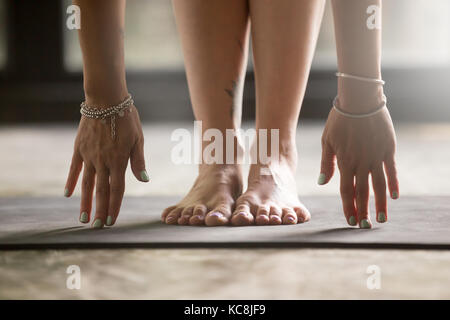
point(214, 36)
point(284, 36)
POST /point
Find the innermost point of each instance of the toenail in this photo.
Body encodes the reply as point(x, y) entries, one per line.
point(170, 219)
point(352, 221)
point(290, 219)
point(244, 214)
point(365, 224)
point(216, 214)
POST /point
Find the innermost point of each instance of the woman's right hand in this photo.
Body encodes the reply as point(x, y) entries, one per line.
point(105, 161)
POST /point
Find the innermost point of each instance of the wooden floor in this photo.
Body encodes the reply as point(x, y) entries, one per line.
point(35, 161)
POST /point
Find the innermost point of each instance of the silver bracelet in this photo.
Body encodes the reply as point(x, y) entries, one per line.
point(359, 115)
point(350, 76)
point(364, 115)
point(109, 112)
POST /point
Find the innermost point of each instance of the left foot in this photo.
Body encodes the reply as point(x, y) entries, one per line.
point(271, 197)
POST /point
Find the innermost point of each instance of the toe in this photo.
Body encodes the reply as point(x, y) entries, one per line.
point(303, 214)
point(262, 215)
point(275, 216)
point(216, 218)
point(289, 216)
point(198, 217)
point(242, 216)
point(186, 214)
point(166, 212)
point(173, 216)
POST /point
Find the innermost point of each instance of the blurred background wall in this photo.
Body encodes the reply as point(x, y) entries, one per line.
point(41, 79)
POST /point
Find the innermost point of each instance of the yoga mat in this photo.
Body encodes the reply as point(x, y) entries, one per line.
point(39, 223)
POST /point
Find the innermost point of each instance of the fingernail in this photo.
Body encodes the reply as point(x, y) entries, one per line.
point(66, 193)
point(365, 224)
point(144, 176)
point(84, 217)
point(352, 221)
point(395, 195)
point(97, 224)
point(109, 221)
point(381, 216)
point(321, 180)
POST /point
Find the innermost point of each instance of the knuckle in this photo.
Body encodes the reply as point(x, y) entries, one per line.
point(101, 190)
point(117, 189)
point(346, 192)
point(86, 185)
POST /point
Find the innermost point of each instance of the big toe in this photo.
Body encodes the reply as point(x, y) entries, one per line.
point(242, 216)
point(216, 218)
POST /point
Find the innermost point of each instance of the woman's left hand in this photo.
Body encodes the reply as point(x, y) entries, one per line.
point(361, 146)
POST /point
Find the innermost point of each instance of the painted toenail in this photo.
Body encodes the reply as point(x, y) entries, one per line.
point(243, 214)
point(170, 219)
point(84, 217)
point(321, 179)
point(381, 217)
point(97, 224)
point(352, 221)
point(395, 195)
point(216, 214)
point(290, 219)
point(365, 224)
point(109, 221)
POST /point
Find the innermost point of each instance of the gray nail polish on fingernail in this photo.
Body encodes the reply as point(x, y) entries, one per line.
point(352, 221)
point(66, 192)
point(381, 217)
point(109, 221)
point(321, 180)
point(395, 195)
point(84, 217)
point(144, 176)
point(97, 224)
point(365, 224)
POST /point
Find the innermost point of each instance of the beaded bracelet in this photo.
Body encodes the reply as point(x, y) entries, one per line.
point(111, 112)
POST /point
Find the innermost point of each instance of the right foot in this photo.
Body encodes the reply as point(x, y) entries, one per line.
point(211, 199)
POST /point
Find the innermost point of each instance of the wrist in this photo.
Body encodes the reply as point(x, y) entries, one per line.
point(105, 96)
point(359, 97)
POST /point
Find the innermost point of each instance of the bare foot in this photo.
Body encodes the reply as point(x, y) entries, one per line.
point(271, 197)
point(210, 200)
